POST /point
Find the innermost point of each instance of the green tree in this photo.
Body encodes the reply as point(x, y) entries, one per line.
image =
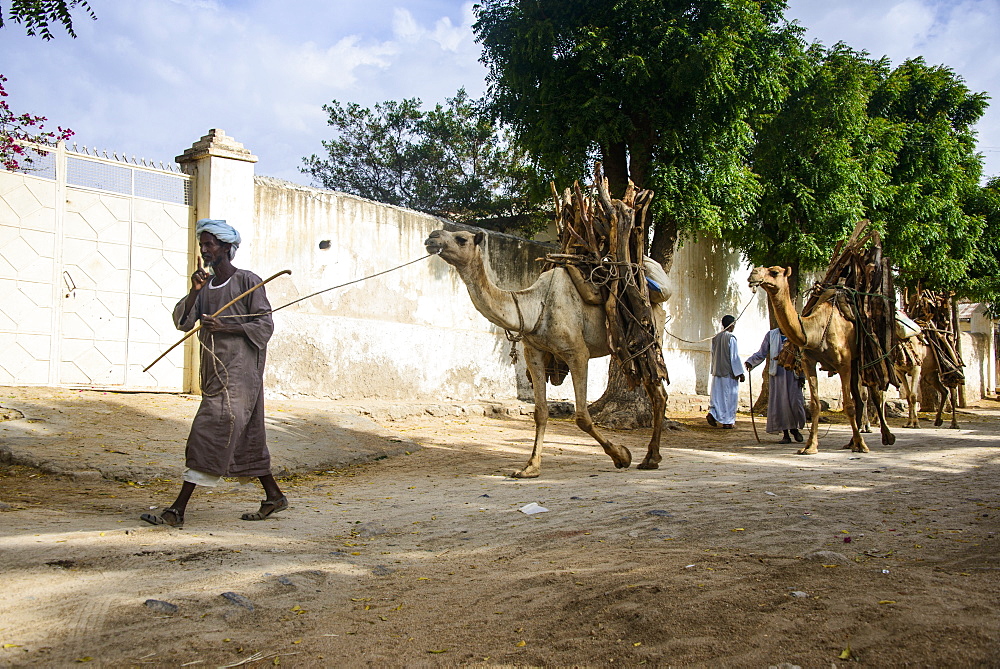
point(664, 93)
point(983, 271)
point(928, 233)
point(38, 16)
point(450, 161)
point(821, 159)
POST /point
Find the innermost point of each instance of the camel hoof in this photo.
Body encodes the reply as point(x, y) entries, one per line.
point(860, 449)
point(812, 450)
point(953, 426)
point(938, 423)
point(910, 426)
point(866, 430)
point(646, 464)
point(849, 445)
point(621, 456)
point(888, 439)
point(527, 473)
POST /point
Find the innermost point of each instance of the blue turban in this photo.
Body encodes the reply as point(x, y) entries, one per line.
point(221, 230)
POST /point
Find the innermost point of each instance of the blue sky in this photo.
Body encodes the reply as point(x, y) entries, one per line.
point(150, 77)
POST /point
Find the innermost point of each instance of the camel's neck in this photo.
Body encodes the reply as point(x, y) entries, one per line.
point(495, 304)
point(788, 319)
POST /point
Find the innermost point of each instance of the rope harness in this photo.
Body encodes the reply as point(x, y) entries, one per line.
point(519, 334)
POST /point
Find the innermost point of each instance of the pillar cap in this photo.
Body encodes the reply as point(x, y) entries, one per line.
point(216, 144)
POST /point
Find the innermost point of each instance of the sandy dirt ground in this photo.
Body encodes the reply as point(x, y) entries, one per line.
point(732, 554)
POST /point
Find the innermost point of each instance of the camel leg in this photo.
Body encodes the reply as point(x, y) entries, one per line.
point(812, 444)
point(910, 380)
point(943, 395)
point(851, 391)
point(888, 438)
point(578, 371)
point(535, 362)
point(865, 418)
point(658, 398)
point(953, 392)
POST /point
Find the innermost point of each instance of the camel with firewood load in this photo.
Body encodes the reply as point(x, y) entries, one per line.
point(827, 337)
point(916, 363)
point(559, 316)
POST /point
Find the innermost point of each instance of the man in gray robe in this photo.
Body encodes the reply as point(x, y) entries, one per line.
point(727, 374)
point(227, 436)
point(786, 408)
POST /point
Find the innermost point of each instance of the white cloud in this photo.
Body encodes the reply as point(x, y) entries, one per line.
point(152, 76)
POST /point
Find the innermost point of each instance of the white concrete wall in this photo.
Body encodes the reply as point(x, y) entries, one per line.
point(413, 334)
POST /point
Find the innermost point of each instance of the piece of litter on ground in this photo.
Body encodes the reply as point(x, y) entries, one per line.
point(768, 492)
point(799, 593)
point(688, 566)
point(532, 508)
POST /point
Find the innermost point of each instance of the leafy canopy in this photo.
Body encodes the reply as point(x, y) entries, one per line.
point(663, 91)
point(450, 161)
point(928, 233)
point(821, 160)
point(37, 16)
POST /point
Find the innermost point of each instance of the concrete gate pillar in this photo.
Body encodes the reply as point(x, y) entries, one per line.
point(223, 188)
point(223, 179)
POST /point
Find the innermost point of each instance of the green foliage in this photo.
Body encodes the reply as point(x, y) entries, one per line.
point(38, 15)
point(450, 161)
point(983, 279)
point(821, 160)
point(665, 92)
point(927, 232)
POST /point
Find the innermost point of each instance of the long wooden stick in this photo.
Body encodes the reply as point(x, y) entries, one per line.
point(750, 386)
point(226, 306)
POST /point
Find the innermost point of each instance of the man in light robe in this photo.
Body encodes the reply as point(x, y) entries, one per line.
point(227, 436)
point(786, 408)
point(727, 374)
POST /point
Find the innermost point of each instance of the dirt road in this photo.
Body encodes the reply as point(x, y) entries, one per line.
point(731, 554)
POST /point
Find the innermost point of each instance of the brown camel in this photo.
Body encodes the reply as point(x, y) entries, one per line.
point(923, 365)
point(825, 337)
point(553, 318)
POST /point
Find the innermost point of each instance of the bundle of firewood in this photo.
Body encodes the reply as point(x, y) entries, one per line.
point(932, 311)
point(866, 296)
point(605, 239)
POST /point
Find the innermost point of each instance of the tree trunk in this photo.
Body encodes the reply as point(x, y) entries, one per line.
point(614, 157)
point(958, 347)
point(664, 243)
point(621, 408)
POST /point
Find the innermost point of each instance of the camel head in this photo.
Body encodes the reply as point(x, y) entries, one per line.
point(455, 248)
point(771, 279)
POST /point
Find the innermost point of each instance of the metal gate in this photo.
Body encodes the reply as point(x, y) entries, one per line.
point(94, 253)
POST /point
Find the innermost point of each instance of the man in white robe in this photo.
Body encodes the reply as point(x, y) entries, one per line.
point(727, 374)
point(786, 409)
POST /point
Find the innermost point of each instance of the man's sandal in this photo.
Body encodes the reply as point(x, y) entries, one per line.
point(267, 507)
point(169, 516)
